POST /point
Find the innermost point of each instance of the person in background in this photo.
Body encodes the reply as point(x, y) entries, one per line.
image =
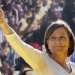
point(68, 13)
point(7, 68)
point(37, 36)
point(59, 43)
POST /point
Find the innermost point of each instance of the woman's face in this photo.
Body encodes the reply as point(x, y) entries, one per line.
point(58, 42)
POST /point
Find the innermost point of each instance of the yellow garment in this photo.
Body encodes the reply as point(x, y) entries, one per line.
point(34, 25)
point(38, 60)
point(39, 15)
point(24, 24)
point(23, 27)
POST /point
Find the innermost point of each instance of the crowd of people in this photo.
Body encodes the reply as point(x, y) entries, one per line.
point(30, 20)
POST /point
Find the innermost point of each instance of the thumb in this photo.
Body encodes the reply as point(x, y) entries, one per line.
point(1, 15)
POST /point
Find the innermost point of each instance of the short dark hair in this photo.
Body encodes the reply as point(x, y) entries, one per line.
point(52, 28)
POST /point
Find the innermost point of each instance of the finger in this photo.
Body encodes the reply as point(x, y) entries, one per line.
point(1, 15)
point(1, 12)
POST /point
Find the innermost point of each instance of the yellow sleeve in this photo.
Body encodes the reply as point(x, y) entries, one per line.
point(32, 56)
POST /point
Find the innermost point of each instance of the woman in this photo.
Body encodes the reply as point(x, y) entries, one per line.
point(59, 43)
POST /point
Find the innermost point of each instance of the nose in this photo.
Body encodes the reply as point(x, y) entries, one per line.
point(57, 41)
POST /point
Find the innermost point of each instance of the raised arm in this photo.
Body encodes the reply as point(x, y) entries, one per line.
point(32, 56)
point(4, 25)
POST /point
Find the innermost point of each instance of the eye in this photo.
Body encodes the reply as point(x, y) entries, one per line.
point(52, 37)
point(62, 37)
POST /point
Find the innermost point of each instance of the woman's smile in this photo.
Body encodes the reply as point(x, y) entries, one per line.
point(59, 41)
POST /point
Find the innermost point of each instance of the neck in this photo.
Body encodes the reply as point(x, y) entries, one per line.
point(61, 60)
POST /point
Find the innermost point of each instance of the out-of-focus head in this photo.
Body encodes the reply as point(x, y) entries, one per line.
point(54, 13)
point(12, 20)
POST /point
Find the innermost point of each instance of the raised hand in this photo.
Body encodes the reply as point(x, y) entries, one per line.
point(1, 16)
point(3, 24)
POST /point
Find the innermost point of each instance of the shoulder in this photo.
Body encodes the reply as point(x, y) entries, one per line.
point(72, 66)
point(72, 63)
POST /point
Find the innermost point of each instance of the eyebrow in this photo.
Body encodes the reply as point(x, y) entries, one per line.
point(54, 34)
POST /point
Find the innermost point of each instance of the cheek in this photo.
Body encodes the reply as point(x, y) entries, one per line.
point(49, 45)
point(66, 42)
point(67, 45)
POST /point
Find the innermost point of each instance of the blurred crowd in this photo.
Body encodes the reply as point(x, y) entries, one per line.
point(30, 19)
